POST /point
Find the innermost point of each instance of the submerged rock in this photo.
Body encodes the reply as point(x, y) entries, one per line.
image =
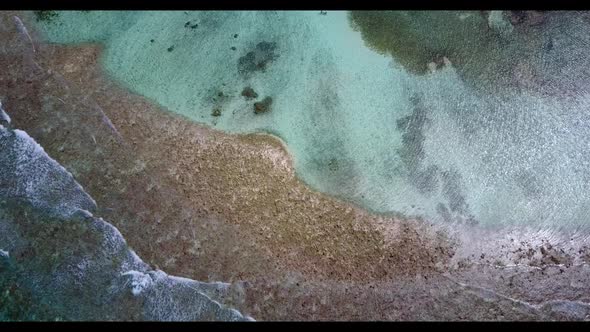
point(249, 93)
point(263, 106)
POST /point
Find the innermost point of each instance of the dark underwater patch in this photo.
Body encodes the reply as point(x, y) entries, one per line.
point(46, 16)
point(263, 106)
point(258, 59)
point(483, 56)
point(412, 128)
point(453, 191)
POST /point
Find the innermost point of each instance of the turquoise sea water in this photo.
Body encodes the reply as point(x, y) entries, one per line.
point(358, 124)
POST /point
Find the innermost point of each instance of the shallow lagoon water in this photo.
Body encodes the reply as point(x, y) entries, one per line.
point(359, 124)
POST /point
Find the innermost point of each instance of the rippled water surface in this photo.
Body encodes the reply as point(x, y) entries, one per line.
point(456, 116)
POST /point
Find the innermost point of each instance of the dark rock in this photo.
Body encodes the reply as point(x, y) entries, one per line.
point(216, 112)
point(249, 93)
point(263, 106)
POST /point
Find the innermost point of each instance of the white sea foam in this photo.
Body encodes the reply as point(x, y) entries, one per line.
point(3, 115)
point(40, 178)
point(139, 281)
point(35, 177)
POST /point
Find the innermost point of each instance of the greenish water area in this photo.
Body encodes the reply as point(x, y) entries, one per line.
point(463, 117)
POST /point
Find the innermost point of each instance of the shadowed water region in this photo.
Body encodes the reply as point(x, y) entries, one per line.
point(469, 117)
